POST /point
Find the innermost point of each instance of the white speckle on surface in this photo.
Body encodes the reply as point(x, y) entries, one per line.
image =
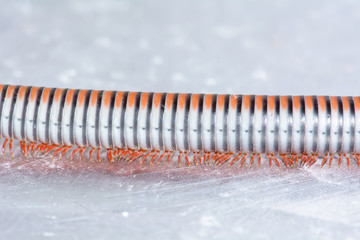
point(178, 77)
point(17, 73)
point(259, 74)
point(125, 214)
point(210, 82)
point(144, 44)
point(349, 68)
point(103, 42)
point(67, 75)
point(117, 75)
point(157, 60)
point(225, 32)
point(49, 234)
point(209, 221)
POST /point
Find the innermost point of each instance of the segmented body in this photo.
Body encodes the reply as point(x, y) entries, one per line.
point(205, 127)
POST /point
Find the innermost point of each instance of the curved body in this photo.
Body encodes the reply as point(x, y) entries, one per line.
point(181, 122)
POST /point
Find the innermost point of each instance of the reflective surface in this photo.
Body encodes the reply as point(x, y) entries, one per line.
point(257, 47)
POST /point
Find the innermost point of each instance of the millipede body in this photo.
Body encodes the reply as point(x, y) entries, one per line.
point(192, 128)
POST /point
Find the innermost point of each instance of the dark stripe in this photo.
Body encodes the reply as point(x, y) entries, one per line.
point(23, 114)
point(36, 113)
point(199, 123)
point(161, 115)
point(48, 112)
point(290, 122)
point(238, 122)
point(315, 123)
point(352, 124)
point(110, 124)
point(72, 116)
point(84, 120)
point(340, 124)
point(277, 123)
point(136, 117)
point(11, 113)
point(148, 115)
point(251, 121)
point(122, 119)
point(3, 94)
point(302, 126)
point(173, 115)
point(60, 117)
point(212, 121)
point(263, 123)
point(328, 123)
point(225, 126)
point(186, 121)
point(97, 118)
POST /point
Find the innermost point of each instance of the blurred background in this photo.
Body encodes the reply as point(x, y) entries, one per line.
point(208, 46)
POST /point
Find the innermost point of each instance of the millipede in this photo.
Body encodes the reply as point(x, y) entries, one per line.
point(188, 129)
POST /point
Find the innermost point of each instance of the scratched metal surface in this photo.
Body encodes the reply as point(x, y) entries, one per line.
point(261, 47)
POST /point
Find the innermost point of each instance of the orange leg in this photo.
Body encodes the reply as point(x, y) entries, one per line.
point(169, 157)
point(187, 159)
point(98, 154)
point(233, 160)
point(339, 160)
point(153, 157)
point(251, 160)
point(4, 146)
point(109, 155)
point(270, 162)
point(73, 153)
point(275, 160)
point(242, 160)
point(330, 160)
point(194, 156)
point(161, 156)
point(324, 160)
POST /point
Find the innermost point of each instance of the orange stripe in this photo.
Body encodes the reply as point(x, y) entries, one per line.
point(322, 103)
point(81, 97)
point(194, 101)
point(58, 94)
point(118, 99)
point(157, 99)
point(33, 93)
point(131, 99)
point(9, 91)
point(181, 101)
point(357, 103)
point(144, 100)
point(271, 103)
point(1, 87)
point(233, 101)
point(93, 97)
point(21, 93)
point(169, 100)
point(220, 101)
point(45, 95)
point(69, 96)
point(106, 98)
point(246, 101)
point(283, 102)
point(308, 102)
point(296, 102)
point(207, 100)
point(334, 105)
point(345, 102)
point(258, 102)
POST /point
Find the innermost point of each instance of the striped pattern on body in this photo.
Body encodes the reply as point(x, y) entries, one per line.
point(184, 123)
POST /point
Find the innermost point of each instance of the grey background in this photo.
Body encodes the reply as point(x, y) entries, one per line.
point(253, 47)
